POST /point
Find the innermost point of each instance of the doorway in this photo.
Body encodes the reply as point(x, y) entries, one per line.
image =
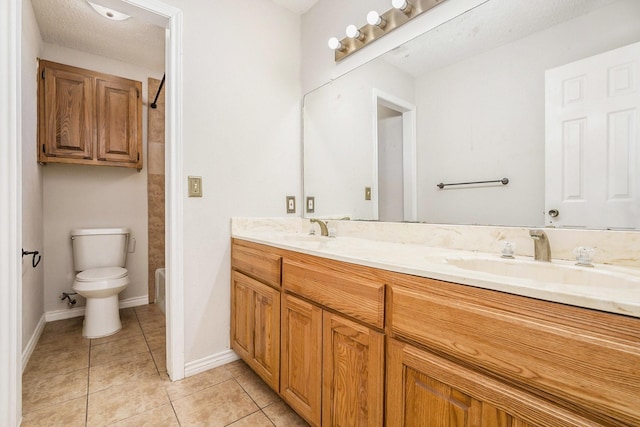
point(161, 14)
point(394, 194)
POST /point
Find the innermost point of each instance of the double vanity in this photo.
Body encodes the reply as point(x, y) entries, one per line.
point(416, 324)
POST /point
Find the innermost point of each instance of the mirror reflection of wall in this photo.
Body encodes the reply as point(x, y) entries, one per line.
point(478, 83)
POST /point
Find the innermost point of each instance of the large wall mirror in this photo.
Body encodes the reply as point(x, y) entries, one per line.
point(544, 93)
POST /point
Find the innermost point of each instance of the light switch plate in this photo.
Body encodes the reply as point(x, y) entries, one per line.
point(311, 204)
point(367, 193)
point(291, 204)
point(195, 186)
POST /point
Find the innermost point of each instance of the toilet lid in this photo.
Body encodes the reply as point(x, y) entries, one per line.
point(96, 274)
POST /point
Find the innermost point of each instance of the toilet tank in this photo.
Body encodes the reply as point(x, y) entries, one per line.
point(99, 247)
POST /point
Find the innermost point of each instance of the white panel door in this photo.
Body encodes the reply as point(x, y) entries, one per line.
point(592, 147)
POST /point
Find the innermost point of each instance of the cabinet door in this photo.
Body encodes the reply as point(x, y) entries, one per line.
point(241, 311)
point(255, 326)
point(353, 373)
point(118, 111)
point(65, 104)
point(266, 334)
point(428, 391)
point(301, 357)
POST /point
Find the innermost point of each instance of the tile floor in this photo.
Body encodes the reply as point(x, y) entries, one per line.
point(122, 380)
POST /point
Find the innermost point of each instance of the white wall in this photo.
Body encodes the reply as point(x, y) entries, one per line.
point(483, 119)
point(77, 196)
point(339, 138)
point(242, 109)
point(32, 214)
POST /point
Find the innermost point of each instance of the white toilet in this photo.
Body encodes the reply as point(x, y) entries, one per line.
point(99, 255)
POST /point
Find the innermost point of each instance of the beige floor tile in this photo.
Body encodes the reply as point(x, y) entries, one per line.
point(238, 368)
point(257, 419)
point(218, 405)
point(142, 310)
point(257, 389)
point(283, 416)
point(121, 371)
point(160, 359)
point(129, 329)
point(115, 350)
point(42, 391)
point(162, 416)
point(190, 385)
point(128, 315)
point(152, 323)
point(71, 413)
point(54, 341)
point(66, 325)
point(47, 363)
point(125, 400)
point(156, 338)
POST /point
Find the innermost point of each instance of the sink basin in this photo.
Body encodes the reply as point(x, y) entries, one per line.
point(549, 272)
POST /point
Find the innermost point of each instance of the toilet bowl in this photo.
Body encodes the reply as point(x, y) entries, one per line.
point(99, 256)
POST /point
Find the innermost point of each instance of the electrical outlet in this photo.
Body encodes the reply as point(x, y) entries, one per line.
point(367, 193)
point(291, 204)
point(311, 204)
point(195, 186)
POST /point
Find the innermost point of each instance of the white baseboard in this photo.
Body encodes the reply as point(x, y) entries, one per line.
point(31, 345)
point(51, 316)
point(209, 362)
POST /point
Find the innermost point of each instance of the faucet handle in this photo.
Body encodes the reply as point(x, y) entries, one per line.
point(508, 249)
point(584, 256)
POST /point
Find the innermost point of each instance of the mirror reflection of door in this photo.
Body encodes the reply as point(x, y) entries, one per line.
point(390, 169)
point(593, 142)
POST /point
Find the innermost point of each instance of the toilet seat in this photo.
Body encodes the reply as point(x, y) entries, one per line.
point(99, 274)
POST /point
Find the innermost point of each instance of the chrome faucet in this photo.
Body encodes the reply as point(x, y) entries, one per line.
point(324, 231)
point(542, 250)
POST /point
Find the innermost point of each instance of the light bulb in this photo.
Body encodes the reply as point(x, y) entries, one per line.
point(374, 18)
point(335, 44)
point(353, 32)
point(403, 5)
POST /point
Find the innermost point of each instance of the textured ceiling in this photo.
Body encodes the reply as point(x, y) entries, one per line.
point(488, 26)
point(74, 24)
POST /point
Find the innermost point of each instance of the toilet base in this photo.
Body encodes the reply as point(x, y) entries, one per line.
point(101, 317)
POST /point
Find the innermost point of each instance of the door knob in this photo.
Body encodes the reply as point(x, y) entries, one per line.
point(554, 213)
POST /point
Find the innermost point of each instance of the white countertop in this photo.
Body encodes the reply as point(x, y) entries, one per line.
point(430, 262)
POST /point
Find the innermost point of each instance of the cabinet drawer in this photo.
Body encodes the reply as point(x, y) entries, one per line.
point(257, 261)
point(585, 357)
point(352, 290)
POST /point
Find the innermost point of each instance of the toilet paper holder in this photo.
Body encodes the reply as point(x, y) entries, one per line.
point(34, 261)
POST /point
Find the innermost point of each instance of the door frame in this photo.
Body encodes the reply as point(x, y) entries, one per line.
point(410, 176)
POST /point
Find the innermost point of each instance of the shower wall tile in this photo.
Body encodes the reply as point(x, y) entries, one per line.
point(155, 184)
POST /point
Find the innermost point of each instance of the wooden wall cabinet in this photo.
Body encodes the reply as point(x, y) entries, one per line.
point(89, 118)
point(255, 311)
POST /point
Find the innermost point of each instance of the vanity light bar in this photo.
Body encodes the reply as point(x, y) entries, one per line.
point(378, 25)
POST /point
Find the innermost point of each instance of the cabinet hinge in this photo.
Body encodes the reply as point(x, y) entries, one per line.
point(138, 156)
point(42, 74)
point(137, 93)
point(43, 150)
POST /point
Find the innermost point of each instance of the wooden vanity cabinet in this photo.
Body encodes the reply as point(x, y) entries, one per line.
point(255, 310)
point(89, 118)
point(332, 366)
point(526, 360)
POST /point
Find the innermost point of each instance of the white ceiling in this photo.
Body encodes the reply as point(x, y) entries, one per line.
point(74, 24)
